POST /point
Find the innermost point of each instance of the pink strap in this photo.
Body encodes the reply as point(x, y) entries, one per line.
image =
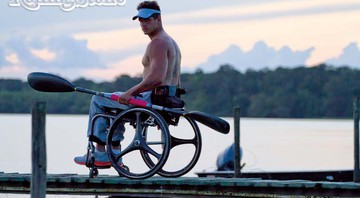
point(136, 102)
point(114, 97)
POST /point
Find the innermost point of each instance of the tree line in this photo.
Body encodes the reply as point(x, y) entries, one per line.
point(322, 91)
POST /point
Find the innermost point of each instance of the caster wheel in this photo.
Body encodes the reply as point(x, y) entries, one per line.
point(94, 172)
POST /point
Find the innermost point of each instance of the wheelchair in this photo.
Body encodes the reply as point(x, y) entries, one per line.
point(149, 133)
point(147, 144)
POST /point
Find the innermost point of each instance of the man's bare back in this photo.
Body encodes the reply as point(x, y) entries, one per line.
point(173, 56)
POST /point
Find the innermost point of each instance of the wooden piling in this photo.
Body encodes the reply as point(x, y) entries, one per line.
point(356, 136)
point(38, 151)
point(237, 142)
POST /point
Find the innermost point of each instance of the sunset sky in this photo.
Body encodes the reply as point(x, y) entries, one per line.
point(101, 43)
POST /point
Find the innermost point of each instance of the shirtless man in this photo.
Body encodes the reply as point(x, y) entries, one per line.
point(161, 63)
point(162, 57)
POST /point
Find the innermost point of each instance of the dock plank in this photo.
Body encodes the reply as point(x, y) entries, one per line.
point(183, 186)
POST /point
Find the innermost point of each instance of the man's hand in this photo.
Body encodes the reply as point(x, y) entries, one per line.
point(124, 98)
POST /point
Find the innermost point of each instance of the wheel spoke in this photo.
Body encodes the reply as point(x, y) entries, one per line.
point(139, 126)
point(177, 141)
point(127, 150)
point(148, 149)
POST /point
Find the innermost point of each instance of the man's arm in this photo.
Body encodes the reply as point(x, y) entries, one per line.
point(157, 55)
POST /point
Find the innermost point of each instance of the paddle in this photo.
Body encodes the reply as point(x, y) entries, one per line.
point(51, 83)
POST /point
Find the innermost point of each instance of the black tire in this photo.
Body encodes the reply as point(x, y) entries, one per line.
point(139, 119)
point(195, 140)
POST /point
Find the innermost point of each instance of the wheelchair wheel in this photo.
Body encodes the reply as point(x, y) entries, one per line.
point(156, 146)
point(185, 139)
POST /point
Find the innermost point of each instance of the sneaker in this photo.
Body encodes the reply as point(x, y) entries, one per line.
point(81, 160)
point(101, 159)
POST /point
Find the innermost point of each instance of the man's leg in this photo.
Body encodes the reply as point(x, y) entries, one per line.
point(97, 129)
point(97, 132)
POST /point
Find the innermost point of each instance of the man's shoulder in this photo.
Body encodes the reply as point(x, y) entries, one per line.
point(161, 41)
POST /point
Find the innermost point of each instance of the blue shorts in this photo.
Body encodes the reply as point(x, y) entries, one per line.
point(98, 132)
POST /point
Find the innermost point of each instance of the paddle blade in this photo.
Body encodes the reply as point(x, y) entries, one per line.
point(49, 83)
point(211, 121)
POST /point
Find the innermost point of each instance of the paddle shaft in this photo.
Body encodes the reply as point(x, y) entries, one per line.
point(51, 83)
point(211, 121)
point(133, 101)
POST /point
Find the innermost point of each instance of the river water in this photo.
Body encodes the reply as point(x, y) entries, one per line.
point(268, 144)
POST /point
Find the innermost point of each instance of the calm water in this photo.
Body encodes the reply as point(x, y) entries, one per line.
point(268, 144)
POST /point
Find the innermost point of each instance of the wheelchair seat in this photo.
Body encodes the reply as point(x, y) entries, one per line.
point(162, 96)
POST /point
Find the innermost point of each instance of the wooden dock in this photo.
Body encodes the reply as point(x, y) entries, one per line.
point(333, 176)
point(115, 186)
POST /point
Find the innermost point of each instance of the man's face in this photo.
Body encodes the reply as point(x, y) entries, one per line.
point(149, 25)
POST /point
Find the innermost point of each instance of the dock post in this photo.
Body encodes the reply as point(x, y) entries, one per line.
point(356, 138)
point(38, 151)
point(237, 142)
point(356, 174)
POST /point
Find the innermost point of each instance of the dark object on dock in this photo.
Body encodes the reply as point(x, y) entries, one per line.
point(225, 160)
point(337, 176)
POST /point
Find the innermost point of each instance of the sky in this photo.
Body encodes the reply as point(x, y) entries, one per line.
point(101, 42)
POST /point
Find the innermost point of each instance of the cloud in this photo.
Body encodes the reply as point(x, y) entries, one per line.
point(117, 68)
point(57, 54)
point(3, 60)
point(53, 52)
point(66, 56)
point(260, 56)
point(287, 57)
point(264, 10)
point(73, 53)
point(51, 20)
point(350, 56)
point(22, 50)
